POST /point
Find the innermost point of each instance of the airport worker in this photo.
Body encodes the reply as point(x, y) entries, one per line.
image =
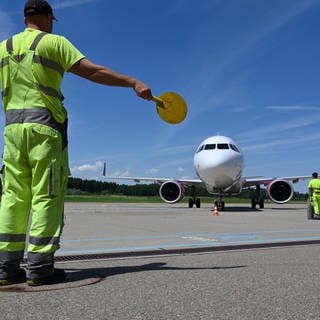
point(35, 157)
point(314, 193)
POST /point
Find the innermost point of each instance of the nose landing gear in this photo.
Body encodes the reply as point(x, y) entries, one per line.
point(220, 204)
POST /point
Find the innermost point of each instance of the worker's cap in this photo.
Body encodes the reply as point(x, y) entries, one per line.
point(34, 7)
point(315, 174)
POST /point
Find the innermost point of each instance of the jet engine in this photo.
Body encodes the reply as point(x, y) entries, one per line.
point(171, 191)
point(280, 191)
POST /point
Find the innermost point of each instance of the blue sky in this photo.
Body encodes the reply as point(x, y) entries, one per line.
point(248, 69)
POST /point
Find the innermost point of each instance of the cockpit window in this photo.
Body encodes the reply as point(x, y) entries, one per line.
point(220, 146)
point(234, 148)
point(209, 147)
point(223, 146)
point(200, 148)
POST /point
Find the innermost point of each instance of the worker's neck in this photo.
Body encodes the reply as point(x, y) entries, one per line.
point(34, 26)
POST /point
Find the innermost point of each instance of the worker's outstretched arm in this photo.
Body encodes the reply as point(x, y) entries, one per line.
point(100, 74)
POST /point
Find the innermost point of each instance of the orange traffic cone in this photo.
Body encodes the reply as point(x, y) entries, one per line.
point(215, 211)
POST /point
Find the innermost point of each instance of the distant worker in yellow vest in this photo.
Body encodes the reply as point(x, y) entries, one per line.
point(314, 193)
point(35, 157)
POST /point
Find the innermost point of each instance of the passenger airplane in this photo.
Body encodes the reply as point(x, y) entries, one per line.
point(219, 163)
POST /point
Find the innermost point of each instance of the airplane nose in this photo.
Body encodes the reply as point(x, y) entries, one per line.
point(210, 164)
point(219, 172)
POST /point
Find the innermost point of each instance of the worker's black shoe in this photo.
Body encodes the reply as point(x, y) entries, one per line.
point(8, 279)
point(56, 276)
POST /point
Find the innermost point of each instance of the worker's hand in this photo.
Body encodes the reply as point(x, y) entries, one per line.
point(142, 90)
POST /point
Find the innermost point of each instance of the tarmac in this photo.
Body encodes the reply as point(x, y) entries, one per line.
point(159, 261)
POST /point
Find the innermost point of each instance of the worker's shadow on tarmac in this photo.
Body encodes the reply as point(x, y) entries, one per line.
point(103, 273)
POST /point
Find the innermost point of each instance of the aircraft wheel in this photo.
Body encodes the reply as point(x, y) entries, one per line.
point(310, 211)
point(261, 204)
point(198, 203)
point(221, 206)
point(190, 203)
point(253, 203)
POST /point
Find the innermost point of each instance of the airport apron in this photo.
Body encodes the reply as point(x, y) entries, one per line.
point(34, 175)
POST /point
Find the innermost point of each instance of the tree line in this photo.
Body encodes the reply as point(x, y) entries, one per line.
point(84, 186)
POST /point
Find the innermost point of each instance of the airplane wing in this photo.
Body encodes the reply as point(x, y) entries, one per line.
point(280, 189)
point(188, 182)
point(246, 181)
point(249, 182)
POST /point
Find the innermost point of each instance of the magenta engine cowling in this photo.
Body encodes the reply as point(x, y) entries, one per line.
point(171, 191)
point(280, 191)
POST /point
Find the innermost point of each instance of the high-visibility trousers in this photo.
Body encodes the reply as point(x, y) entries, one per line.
point(34, 180)
point(316, 202)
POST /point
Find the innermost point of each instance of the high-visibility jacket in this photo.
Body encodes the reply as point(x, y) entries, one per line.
point(51, 57)
point(314, 184)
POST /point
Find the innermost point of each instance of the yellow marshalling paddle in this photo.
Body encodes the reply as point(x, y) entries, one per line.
point(171, 107)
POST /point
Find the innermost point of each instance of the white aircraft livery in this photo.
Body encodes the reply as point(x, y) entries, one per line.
point(219, 164)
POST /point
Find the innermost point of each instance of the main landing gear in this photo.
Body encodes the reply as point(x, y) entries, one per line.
point(194, 199)
point(256, 198)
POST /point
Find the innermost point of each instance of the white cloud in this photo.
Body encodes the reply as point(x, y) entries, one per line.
point(293, 124)
point(269, 146)
point(180, 169)
point(71, 3)
point(87, 168)
point(152, 170)
point(292, 108)
point(119, 173)
point(241, 109)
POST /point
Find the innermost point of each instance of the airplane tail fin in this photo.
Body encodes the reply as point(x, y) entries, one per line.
point(104, 172)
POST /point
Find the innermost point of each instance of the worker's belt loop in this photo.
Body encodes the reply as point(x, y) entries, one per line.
point(40, 116)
